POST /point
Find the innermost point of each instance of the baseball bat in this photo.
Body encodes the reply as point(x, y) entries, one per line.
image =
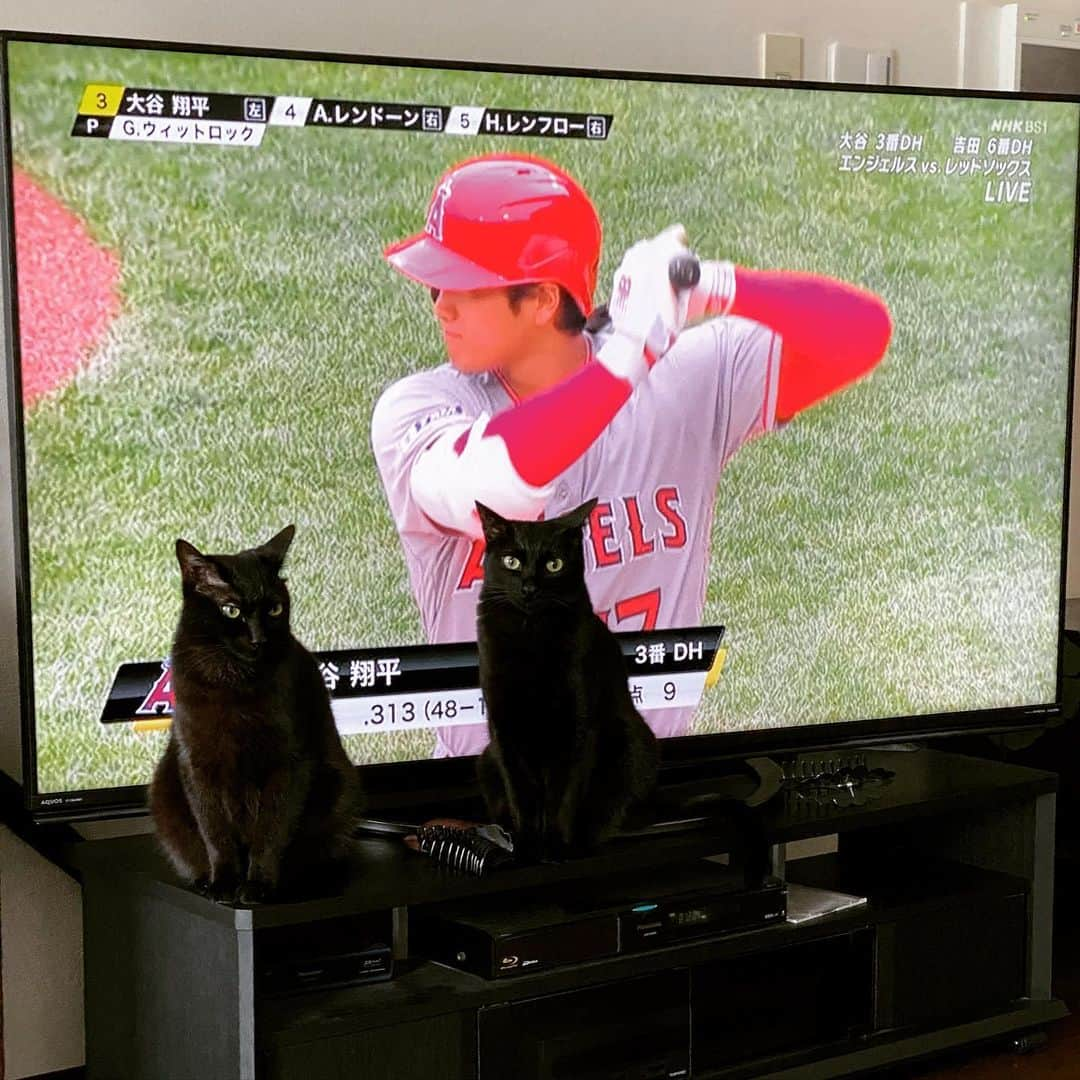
point(684, 271)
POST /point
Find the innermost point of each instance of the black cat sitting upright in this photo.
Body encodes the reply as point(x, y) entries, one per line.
point(569, 754)
point(254, 788)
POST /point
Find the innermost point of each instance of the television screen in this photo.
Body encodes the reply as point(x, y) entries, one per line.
point(256, 290)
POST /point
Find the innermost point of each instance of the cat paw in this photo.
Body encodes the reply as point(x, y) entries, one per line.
point(554, 854)
point(223, 891)
point(254, 892)
point(526, 850)
point(560, 851)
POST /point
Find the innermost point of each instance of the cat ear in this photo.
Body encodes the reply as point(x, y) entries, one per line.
point(495, 527)
point(274, 550)
point(574, 519)
point(197, 568)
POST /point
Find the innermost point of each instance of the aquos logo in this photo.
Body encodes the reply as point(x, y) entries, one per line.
point(434, 224)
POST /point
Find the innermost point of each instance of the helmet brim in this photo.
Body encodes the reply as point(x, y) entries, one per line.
point(425, 260)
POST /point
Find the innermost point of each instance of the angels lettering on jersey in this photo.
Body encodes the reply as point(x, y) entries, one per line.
point(617, 531)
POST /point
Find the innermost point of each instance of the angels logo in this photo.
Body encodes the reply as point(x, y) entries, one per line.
point(434, 224)
point(159, 702)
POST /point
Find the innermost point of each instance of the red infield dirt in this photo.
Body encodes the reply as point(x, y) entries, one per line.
point(67, 286)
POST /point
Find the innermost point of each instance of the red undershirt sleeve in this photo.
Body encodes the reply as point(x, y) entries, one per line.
point(546, 434)
point(833, 333)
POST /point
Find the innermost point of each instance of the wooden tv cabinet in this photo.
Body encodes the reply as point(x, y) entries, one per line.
point(955, 855)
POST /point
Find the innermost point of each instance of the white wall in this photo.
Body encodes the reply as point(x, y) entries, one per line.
point(1043, 22)
point(988, 56)
point(41, 921)
point(41, 944)
point(674, 35)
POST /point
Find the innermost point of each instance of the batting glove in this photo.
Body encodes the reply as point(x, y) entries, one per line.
point(646, 312)
point(714, 294)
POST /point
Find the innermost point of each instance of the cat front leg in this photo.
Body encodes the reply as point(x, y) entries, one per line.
point(571, 800)
point(606, 798)
point(275, 811)
point(525, 809)
point(566, 838)
point(223, 854)
point(224, 875)
point(493, 789)
point(219, 838)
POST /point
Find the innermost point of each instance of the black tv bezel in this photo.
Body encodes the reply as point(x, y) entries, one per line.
point(399, 783)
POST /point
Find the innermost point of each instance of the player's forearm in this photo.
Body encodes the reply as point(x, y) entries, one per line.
point(546, 434)
point(509, 462)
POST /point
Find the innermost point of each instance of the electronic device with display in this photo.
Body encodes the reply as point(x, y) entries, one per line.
point(833, 514)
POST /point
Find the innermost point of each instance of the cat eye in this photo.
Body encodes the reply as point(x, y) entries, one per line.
point(276, 610)
point(230, 611)
point(511, 562)
point(553, 566)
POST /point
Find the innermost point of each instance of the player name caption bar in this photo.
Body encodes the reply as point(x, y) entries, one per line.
point(471, 120)
point(148, 114)
point(129, 129)
point(398, 712)
point(436, 685)
point(458, 119)
point(377, 115)
point(148, 103)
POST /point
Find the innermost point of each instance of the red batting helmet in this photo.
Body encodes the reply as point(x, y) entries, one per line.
point(505, 219)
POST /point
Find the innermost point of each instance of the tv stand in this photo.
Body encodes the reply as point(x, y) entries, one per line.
point(955, 856)
point(687, 798)
point(749, 781)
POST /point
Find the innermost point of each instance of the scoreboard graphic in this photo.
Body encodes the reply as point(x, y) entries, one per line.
point(146, 114)
point(426, 686)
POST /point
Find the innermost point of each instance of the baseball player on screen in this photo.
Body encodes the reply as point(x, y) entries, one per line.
point(540, 409)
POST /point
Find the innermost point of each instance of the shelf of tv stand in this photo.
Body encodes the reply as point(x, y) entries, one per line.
point(387, 874)
point(948, 834)
point(424, 989)
point(898, 895)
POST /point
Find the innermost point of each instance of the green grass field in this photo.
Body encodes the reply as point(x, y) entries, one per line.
point(895, 550)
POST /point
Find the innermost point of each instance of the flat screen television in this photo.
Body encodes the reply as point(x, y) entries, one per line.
point(832, 513)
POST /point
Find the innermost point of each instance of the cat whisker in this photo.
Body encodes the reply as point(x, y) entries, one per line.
point(497, 595)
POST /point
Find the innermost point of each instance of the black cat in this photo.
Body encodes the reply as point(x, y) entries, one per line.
point(254, 783)
point(569, 754)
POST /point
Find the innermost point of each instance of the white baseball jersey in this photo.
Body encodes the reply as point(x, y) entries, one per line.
point(654, 470)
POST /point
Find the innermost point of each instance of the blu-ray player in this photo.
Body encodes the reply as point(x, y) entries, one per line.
point(572, 922)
